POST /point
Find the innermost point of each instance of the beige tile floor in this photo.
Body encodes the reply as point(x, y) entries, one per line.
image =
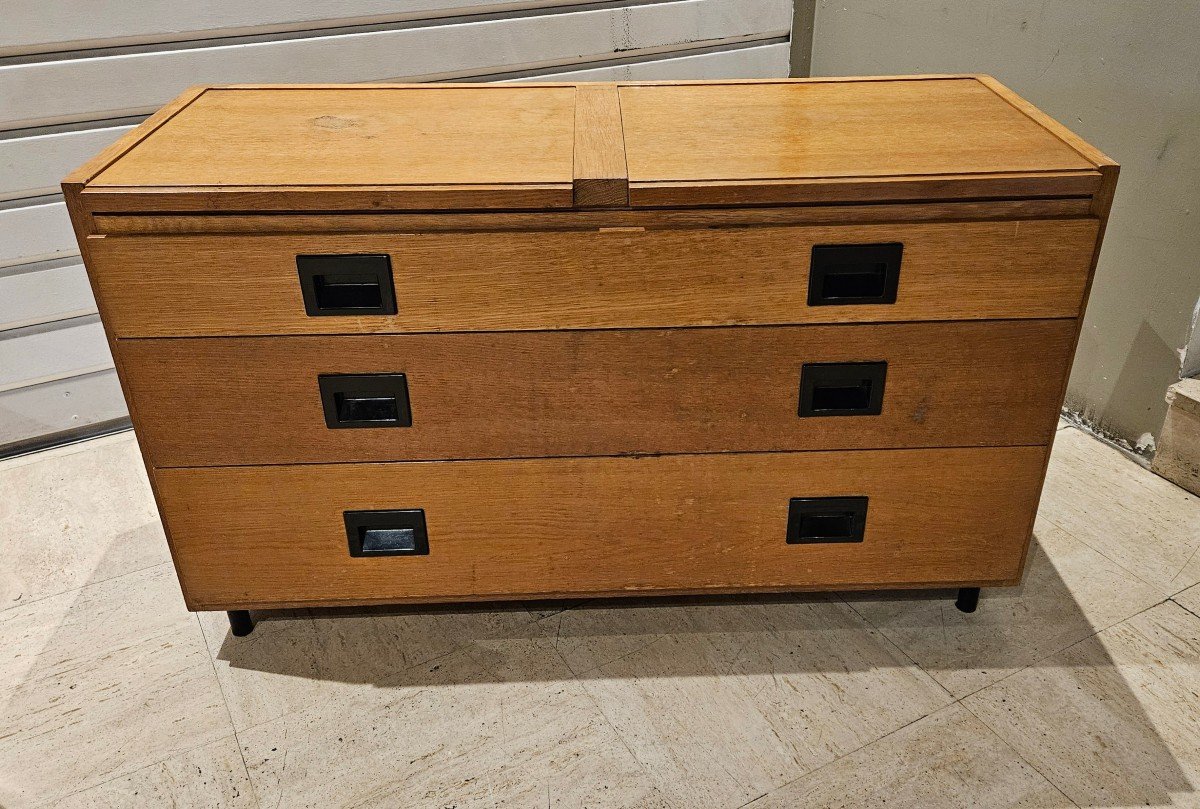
point(1080, 688)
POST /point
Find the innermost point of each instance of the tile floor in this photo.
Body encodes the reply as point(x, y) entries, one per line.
point(1081, 688)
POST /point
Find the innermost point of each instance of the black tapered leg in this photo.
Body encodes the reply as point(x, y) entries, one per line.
point(968, 599)
point(240, 622)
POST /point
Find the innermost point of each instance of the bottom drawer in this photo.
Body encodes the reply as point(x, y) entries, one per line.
point(278, 536)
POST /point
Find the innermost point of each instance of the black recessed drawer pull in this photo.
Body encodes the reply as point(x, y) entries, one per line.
point(813, 520)
point(843, 274)
point(394, 532)
point(842, 388)
point(347, 284)
point(365, 400)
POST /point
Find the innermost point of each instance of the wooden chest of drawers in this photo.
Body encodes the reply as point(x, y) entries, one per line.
point(435, 342)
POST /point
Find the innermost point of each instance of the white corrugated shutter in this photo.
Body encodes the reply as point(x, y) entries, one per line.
point(75, 75)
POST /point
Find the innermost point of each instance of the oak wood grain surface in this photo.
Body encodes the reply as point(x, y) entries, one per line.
point(383, 147)
point(927, 138)
point(827, 130)
point(600, 179)
point(498, 395)
point(527, 328)
point(621, 278)
point(361, 136)
point(270, 536)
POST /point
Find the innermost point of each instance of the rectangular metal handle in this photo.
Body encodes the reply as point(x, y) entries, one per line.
point(842, 388)
point(365, 400)
point(389, 532)
point(347, 284)
point(815, 520)
point(845, 274)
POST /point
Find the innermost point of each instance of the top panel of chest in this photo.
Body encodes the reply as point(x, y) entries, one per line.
point(464, 147)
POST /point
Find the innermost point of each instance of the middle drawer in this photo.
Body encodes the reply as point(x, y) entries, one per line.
point(274, 400)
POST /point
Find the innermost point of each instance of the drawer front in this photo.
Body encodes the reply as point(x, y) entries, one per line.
point(497, 395)
point(274, 536)
point(620, 278)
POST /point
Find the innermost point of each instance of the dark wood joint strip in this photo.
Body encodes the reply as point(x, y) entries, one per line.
point(601, 179)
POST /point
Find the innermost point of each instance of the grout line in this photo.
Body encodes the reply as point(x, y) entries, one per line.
point(836, 759)
point(82, 587)
point(651, 780)
point(898, 648)
point(1089, 546)
point(1183, 607)
point(1007, 676)
point(228, 712)
point(130, 773)
point(1020, 757)
point(462, 648)
point(1046, 657)
point(579, 679)
point(587, 672)
point(1182, 568)
point(961, 700)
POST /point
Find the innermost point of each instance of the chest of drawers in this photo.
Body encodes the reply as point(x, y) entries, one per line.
point(448, 342)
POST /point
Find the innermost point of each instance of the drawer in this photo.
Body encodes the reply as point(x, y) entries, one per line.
point(274, 536)
point(617, 278)
point(518, 394)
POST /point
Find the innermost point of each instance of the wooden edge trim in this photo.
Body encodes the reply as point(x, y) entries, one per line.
point(802, 80)
point(1086, 150)
point(114, 151)
point(915, 188)
point(601, 179)
point(97, 190)
point(217, 606)
point(325, 198)
point(1102, 200)
point(427, 85)
point(538, 221)
point(442, 85)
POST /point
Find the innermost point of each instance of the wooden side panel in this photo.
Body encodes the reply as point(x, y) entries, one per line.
point(498, 395)
point(237, 285)
point(270, 536)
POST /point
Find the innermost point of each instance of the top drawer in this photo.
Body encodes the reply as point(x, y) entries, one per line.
point(618, 278)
